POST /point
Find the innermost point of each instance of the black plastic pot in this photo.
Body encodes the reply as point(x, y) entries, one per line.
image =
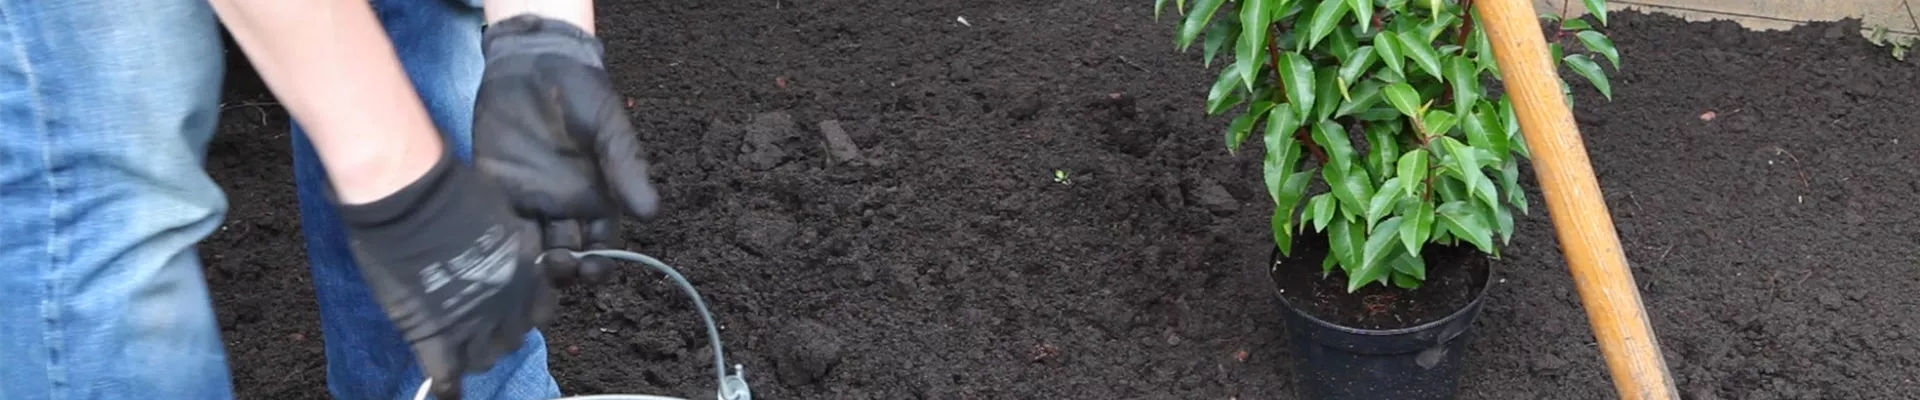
point(1334, 362)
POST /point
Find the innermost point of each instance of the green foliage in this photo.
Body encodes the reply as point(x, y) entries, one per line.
point(1387, 103)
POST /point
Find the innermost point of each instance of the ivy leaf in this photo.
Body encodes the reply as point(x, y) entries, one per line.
point(1225, 94)
point(1254, 17)
point(1418, 226)
point(1321, 210)
point(1465, 221)
point(1465, 77)
point(1402, 96)
point(1413, 166)
point(1333, 139)
point(1598, 8)
point(1325, 18)
point(1196, 21)
point(1383, 200)
point(1598, 42)
point(1346, 240)
point(1422, 53)
point(1374, 254)
point(1586, 67)
point(1388, 46)
point(1297, 75)
point(1217, 38)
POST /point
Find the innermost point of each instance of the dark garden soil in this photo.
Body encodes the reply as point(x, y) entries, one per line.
point(1777, 243)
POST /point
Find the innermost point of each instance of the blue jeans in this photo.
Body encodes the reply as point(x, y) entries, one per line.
point(106, 110)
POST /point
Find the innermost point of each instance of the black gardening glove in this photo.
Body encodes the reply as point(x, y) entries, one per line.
point(453, 267)
point(550, 128)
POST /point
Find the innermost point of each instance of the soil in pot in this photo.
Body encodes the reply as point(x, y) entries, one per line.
point(1455, 276)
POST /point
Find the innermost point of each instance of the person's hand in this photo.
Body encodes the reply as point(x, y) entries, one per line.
point(550, 128)
point(453, 267)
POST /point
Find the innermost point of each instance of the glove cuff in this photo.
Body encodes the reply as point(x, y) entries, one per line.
point(388, 210)
point(533, 34)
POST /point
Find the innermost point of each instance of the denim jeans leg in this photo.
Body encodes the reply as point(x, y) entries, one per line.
point(439, 43)
point(106, 109)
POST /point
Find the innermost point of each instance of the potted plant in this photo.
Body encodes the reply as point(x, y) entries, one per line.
point(1393, 165)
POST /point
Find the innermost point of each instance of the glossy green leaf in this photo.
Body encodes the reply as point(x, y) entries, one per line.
point(1465, 78)
point(1254, 17)
point(1326, 93)
point(1418, 227)
point(1342, 42)
point(1450, 187)
point(1511, 123)
point(1283, 150)
point(1483, 52)
point(1466, 162)
point(1422, 53)
point(1406, 282)
point(1297, 75)
point(1351, 187)
point(1374, 254)
point(1225, 94)
point(1464, 221)
point(1396, 5)
point(1218, 36)
point(1294, 187)
point(1383, 200)
point(1243, 125)
point(1388, 45)
point(1321, 208)
point(1362, 13)
point(1386, 149)
point(1346, 240)
point(1504, 216)
point(1333, 139)
point(1362, 97)
point(1510, 183)
point(1159, 5)
point(1599, 43)
point(1483, 189)
point(1585, 66)
point(1196, 21)
point(1575, 24)
point(1555, 50)
point(1407, 263)
point(1439, 122)
point(1413, 166)
point(1402, 96)
point(1598, 8)
point(1481, 127)
point(1282, 225)
point(1357, 63)
point(1325, 18)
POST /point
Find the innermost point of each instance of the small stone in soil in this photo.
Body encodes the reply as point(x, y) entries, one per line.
point(838, 143)
point(1215, 197)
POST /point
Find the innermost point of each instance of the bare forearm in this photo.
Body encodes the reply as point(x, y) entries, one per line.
point(577, 12)
point(331, 65)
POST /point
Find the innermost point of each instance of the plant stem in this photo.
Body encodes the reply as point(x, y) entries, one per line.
point(1305, 137)
point(1273, 53)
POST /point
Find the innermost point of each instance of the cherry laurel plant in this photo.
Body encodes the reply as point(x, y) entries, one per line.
point(1385, 100)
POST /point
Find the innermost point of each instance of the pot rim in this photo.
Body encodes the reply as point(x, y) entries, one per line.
point(1485, 286)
